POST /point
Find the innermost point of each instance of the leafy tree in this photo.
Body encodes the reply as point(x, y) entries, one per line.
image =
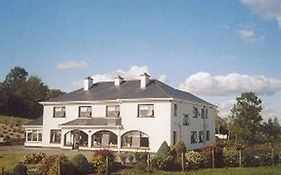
point(54, 93)
point(16, 75)
point(272, 130)
point(221, 125)
point(246, 119)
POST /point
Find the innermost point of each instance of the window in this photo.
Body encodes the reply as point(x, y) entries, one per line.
point(193, 138)
point(207, 135)
point(185, 120)
point(195, 112)
point(85, 111)
point(201, 136)
point(104, 138)
point(206, 113)
point(146, 110)
point(113, 111)
point(59, 112)
point(34, 136)
point(135, 139)
point(175, 109)
point(203, 113)
point(55, 136)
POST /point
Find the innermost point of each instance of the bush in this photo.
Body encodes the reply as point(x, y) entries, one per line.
point(123, 157)
point(45, 164)
point(164, 158)
point(206, 153)
point(141, 160)
point(194, 160)
point(33, 158)
point(177, 150)
point(20, 169)
point(130, 158)
point(80, 163)
point(62, 166)
point(231, 156)
point(99, 160)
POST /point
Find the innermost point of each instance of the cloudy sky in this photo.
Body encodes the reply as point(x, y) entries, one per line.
point(214, 49)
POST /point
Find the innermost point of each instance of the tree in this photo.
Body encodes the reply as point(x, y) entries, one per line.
point(271, 130)
point(54, 93)
point(221, 125)
point(16, 75)
point(246, 119)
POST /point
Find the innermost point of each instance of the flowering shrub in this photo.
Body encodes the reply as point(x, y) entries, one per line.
point(230, 155)
point(33, 158)
point(194, 160)
point(99, 160)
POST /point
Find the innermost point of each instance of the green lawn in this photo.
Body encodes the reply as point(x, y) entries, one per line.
point(9, 161)
point(221, 171)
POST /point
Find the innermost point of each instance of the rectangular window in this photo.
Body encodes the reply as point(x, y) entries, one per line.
point(146, 110)
point(85, 111)
point(206, 113)
point(195, 112)
point(193, 138)
point(202, 113)
point(208, 135)
point(201, 136)
point(55, 136)
point(59, 112)
point(174, 137)
point(113, 111)
point(34, 136)
point(185, 120)
point(175, 109)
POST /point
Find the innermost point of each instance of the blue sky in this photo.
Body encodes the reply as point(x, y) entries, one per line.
point(206, 44)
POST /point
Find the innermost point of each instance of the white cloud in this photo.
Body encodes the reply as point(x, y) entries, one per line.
point(249, 35)
point(72, 64)
point(267, 9)
point(203, 83)
point(225, 107)
point(132, 73)
point(246, 34)
point(162, 78)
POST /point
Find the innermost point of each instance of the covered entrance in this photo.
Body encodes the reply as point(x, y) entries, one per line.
point(76, 139)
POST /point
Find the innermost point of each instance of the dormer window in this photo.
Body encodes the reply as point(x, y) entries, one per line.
point(112, 111)
point(146, 110)
point(59, 112)
point(85, 111)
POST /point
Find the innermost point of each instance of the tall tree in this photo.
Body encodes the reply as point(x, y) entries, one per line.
point(54, 93)
point(246, 119)
point(16, 75)
point(221, 125)
point(272, 130)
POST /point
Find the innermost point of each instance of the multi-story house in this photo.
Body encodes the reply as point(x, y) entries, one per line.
point(123, 115)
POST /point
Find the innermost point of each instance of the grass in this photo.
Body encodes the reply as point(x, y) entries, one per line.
point(9, 161)
point(13, 120)
point(217, 171)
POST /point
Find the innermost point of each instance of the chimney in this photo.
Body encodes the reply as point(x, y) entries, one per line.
point(144, 80)
point(118, 80)
point(88, 82)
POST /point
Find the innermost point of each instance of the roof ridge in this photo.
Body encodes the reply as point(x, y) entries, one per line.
point(166, 93)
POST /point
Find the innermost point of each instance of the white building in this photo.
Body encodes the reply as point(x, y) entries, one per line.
point(122, 115)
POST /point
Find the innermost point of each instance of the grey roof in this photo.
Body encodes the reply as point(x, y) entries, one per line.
point(36, 122)
point(127, 90)
point(87, 121)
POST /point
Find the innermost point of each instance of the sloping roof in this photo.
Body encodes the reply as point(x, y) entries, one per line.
point(36, 122)
point(87, 121)
point(127, 90)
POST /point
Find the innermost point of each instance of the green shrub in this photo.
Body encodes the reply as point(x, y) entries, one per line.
point(123, 157)
point(98, 160)
point(130, 158)
point(61, 166)
point(194, 160)
point(177, 151)
point(231, 156)
point(164, 158)
point(20, 169)
point(33, 158)
point(141, 160)
point(45, 164)
point(80, 163)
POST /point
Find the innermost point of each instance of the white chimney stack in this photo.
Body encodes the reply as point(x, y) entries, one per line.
point(118, 80)
point(144, 80)
point(88, 82)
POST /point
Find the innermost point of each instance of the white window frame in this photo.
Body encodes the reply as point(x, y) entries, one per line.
point(59, 112)
point(87, 112)
point(33, 132)
point(114, 109)
point(150, 109)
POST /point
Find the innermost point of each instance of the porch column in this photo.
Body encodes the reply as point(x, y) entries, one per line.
point(90, 139)
point(119, 140)
point(63, 132)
